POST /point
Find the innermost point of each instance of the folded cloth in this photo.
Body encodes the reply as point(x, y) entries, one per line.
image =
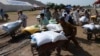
point(31, 29)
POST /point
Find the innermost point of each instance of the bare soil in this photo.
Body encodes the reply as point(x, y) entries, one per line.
point(23, 48)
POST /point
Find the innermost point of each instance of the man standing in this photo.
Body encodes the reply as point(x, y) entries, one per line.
point(22, 17)
point(56, 15)
point(2, 13)
point(47, 13)
point(76, 16)
point(70, 31)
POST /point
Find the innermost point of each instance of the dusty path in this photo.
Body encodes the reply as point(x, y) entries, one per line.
point(22, 48)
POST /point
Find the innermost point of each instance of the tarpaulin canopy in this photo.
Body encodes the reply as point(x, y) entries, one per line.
point(97, 2)
point(69, 6)
point(14, 2)
point(35, 5)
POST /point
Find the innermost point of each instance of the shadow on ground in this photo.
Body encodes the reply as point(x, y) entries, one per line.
point(77, 51)
point(2, 21)
point(18, 38)
point(97, 40)
point(85, 41)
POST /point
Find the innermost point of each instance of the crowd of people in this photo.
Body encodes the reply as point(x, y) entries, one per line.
point(68, 18)
point(72, 15)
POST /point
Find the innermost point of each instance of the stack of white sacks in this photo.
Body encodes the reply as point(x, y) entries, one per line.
point(93, 27)
point(48, 36)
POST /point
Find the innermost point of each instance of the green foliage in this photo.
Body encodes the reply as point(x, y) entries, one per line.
point(53, 5)
point(56, 6)
point(50, 5)
point(62, 6)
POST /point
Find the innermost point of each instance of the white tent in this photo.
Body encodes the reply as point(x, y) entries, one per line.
point(35, 5)
point(13, 5)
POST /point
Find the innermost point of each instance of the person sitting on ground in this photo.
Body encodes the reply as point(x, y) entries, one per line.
point(22, 17)
point(69, 30)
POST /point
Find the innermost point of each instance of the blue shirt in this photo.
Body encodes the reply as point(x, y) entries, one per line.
point(44, 21)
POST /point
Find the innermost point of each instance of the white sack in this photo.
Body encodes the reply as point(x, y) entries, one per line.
point(83, 19)
point(54, 27)
point(89, 26)
point(11, 26)
point(41, 38)
point(55, 36)
point(46, 37)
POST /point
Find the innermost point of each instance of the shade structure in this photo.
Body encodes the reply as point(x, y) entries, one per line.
point(14, 5)
point(97, 2)
point(35, 5)
point(14, 2)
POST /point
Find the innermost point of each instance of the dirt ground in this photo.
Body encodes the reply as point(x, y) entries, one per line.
point(23, 48)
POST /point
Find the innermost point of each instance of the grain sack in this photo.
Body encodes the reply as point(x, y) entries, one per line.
point(55, 36)
point(41, 38)
point(46, 37)
point(89, 26)
point(54, 27)
point(12, 26)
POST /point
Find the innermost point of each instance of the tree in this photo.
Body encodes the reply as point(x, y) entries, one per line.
point(62, 6)
point(50, 5)
point(53, 5)
point(56, 6)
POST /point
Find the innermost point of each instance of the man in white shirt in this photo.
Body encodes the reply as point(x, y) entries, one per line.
point(76, 16)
